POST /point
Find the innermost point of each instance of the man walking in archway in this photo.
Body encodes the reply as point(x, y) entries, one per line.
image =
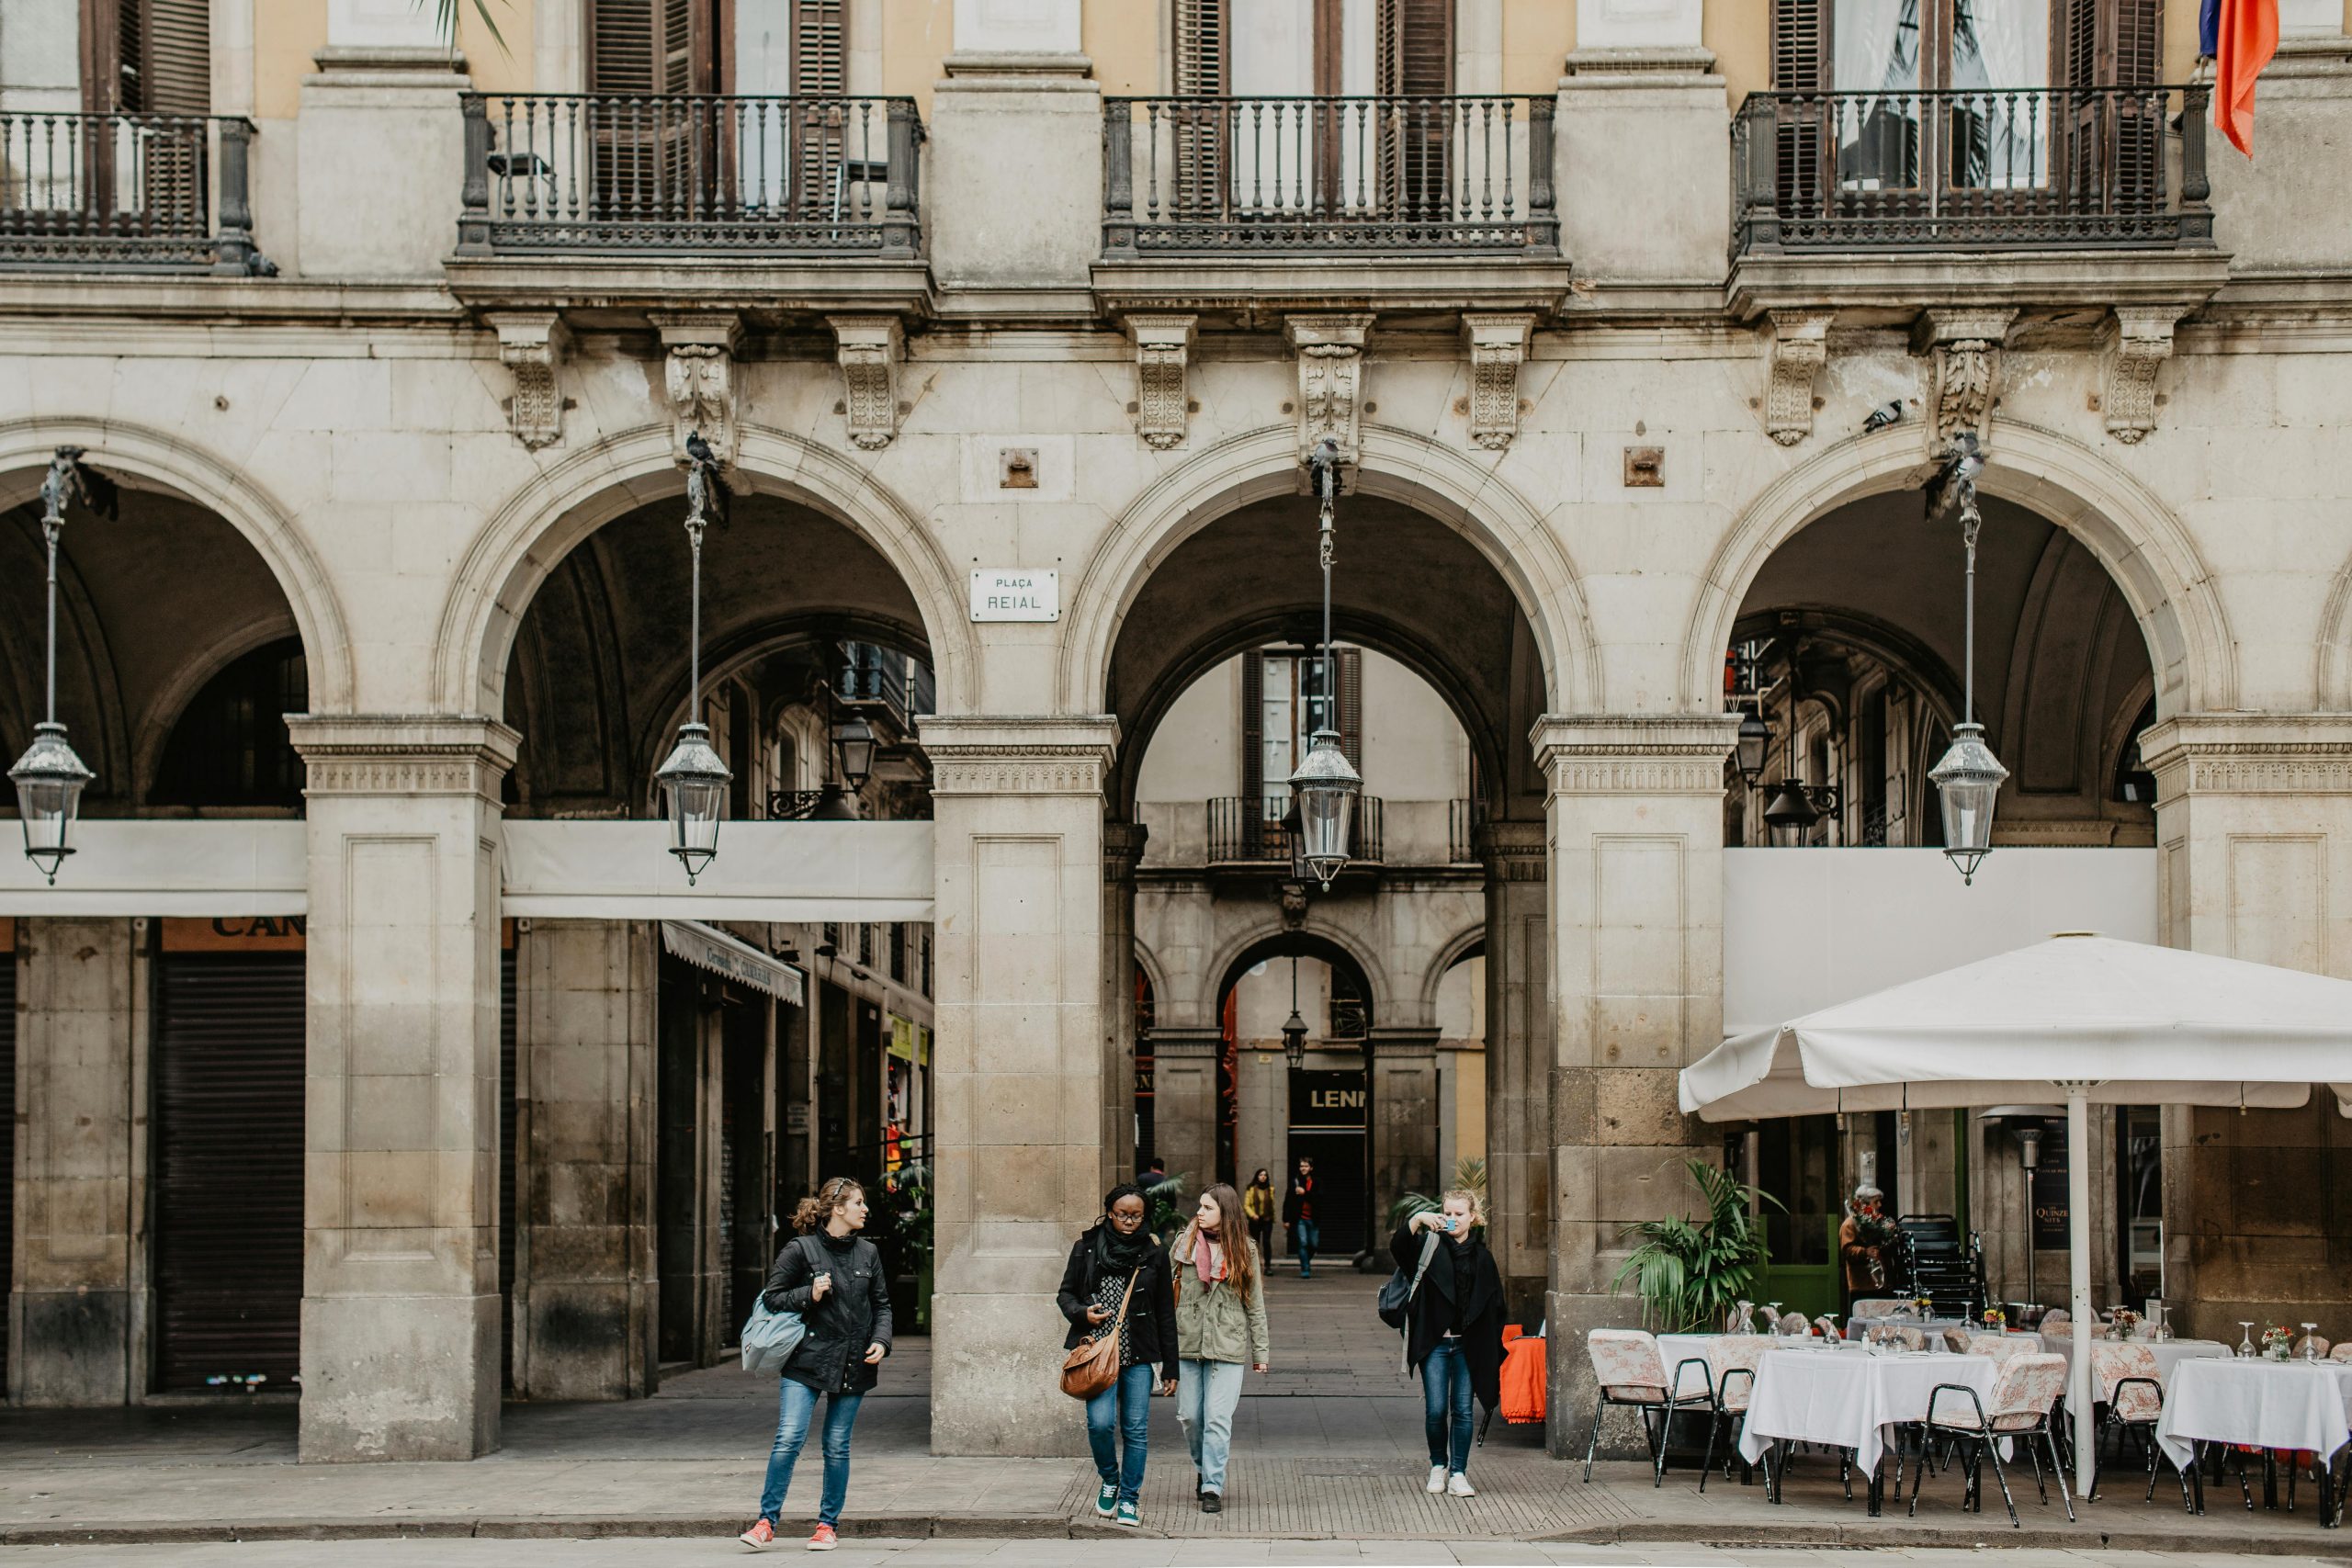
point(1298, 1216)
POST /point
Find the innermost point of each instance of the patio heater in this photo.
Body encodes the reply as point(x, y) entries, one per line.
point(693, 779)
point(1325, 785)
point(1969, 777)
point(2028, 1122)
point(49, 777)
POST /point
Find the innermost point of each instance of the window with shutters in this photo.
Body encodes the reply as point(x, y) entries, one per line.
point(1282, 706)
point(644, 57)
point(148, 58)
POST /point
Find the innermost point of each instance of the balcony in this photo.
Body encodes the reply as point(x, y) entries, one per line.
point(126, 193)
point(650, 196)
point(1241, 837)
point(1382, 202)
point(2086, 194)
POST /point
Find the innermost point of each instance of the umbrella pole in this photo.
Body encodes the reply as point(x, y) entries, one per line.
point(2079, 1268)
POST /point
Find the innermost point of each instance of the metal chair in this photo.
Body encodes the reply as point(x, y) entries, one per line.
point(1632, 1371)
point(1733, 1359)
point(2019, 1407)
point(2131, 1397)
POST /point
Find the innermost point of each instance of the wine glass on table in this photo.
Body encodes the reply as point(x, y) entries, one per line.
point(2246, 1340)
point(2310, 1342)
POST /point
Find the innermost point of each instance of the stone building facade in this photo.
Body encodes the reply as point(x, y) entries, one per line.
point(394, 352)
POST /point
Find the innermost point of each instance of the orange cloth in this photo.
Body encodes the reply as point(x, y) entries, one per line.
point(1523, 1378)
point(2245, 39)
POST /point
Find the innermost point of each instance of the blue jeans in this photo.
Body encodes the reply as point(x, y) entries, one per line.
point(1207, 1393)
point(1445, 1401)
point(1304, 1237)
point(1122, 1412)
point(795, 1409)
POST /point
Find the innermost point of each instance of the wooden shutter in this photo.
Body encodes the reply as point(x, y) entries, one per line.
point(1253, 736)
point(818, 49)
point(1414, 61)
point(653, 52)
point(1347, 672)
point(1800, 34)
point(2114, 138)
point(1200, 59)
point(179, 55)
point(819, 70)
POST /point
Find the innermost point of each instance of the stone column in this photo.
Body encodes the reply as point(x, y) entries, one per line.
point(1014, 191)
point(1404, 1130)
point(1637, 832)
point(1122, 845)
point(1017, 820)
point(586, 1282)
point(1519, 1061)
point(1183, 1102)
point(77, 1314)
point(2253, 836)
point(358, 213)
point(1641, 128)
point(399, 1279)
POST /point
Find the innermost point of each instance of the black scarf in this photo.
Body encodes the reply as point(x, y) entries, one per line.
point(1116, 1254)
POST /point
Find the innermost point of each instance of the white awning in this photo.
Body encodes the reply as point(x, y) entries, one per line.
point(205, 867)
point(785, 872)
point(706, 948)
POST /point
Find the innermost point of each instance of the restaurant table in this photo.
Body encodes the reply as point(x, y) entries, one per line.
point(2169, 1353)
point(2292, 1405)
point(1849, 1401)
point(1677, 1349)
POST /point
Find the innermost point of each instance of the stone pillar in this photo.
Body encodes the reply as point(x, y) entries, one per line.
point(2253, 836)
point(1519, 1061)
point(1122, 845)
point(360, 214)
point(399, 1277)
point(1012, 197)
point(1017, 820)
point(77, 1314)
point(1642, 128)
point(1636, 878)
point(1183, 1102)
point(586, 1283)
point(1404, 1130)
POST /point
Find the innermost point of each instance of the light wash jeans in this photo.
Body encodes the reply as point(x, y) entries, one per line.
point(1445, 1398)
point(795, 1407)
point(1207, 1393)
point(1122, 1412)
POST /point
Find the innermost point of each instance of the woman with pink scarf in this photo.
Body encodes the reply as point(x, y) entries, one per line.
point(1220, 1328)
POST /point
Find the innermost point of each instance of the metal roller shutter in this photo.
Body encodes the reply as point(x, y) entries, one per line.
point(228, 1168)
point(506, 1167)
point(8, 1138)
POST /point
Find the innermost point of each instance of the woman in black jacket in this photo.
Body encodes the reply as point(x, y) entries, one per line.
point(1454, 1330)
point(833, 1280)
point(1118, 1260)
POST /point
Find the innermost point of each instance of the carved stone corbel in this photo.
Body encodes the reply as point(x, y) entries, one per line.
point(2134, 341)
point(1498, 347)
point(1331, 380)
point(533, 343)
point(1800, 349)
point(1163, 400)
point(1965, 378)
point(699, 377)
point(869, 348)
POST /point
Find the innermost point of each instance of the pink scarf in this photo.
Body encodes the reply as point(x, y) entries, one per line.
point(1208, 1259)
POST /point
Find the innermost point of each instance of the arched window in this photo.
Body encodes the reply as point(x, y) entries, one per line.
point(229, 747)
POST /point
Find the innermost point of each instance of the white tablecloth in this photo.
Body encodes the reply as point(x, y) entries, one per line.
point(2268, 1404)
point(1677, 1349)
point(1847, 1401)
point(2170, 1353)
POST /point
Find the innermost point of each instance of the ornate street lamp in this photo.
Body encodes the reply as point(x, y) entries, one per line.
point(1755, 739)
point(1792, 813)
point(693, 780)
point(1969, 778)
point(854, 738)
point(1294, 1030)
point(49, 777)
point(1325, 786)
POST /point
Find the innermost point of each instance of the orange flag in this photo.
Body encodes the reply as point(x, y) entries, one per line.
point(2244, 42)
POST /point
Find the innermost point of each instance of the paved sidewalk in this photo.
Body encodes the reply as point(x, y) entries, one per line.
point(1330, 1446)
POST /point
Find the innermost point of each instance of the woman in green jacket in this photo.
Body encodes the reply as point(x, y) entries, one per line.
point(1220, 1327)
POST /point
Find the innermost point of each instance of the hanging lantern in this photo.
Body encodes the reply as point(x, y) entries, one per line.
point(1755, 737)
point(694, 787)
point(1789, 814)
point(854, 737)
point(1968, 780)
point(1294, 1040)
point(50, 780)
point(1326, 787)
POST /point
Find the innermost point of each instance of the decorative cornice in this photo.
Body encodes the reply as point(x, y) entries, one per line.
point(1123, 846)
point(1515, 851)
point(1497, 344)
point(2250, 754)
point(533, 343)
point(2135, 340)
point(402, 754)
point(869, 349)
point(1634, 755)
point(699, 377)
point(1331, 380)
point(1019, 755)
point(1173, 1041)
point(1800, 349)
point(1964, 346)
point(1164, 400)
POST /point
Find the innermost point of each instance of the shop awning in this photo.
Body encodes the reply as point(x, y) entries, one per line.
point(216, 867)
point(764, 871)
point(714, 950)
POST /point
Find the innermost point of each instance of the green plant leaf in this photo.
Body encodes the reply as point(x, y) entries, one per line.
point(444, 17)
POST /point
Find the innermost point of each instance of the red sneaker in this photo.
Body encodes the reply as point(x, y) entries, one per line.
point(825, 1539)
point(759, 1536)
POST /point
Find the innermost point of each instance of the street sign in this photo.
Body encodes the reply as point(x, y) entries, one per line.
point(1011, 593)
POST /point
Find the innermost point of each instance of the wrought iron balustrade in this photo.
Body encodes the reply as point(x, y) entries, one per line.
point(1328, 175)
point(2120, 167)
point(136, 192)
point(1241, 832)
point(645, 174)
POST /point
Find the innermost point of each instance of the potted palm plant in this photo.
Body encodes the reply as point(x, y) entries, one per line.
point(1692, 1272)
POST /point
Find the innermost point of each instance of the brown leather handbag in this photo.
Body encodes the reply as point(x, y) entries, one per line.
point(1092, 1364)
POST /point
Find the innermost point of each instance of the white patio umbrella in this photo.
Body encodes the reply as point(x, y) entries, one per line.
point(2097, 1021)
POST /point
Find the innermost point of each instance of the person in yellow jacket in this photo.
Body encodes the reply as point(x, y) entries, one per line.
point(1258, 1203)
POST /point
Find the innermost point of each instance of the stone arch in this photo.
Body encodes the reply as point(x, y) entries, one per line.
point(2332, 672)
point(230, 493)
point(1397, 464)
point(1464, 943)
point(154, 732)
point(2145, 547)
point(568, 501)
point(1219, 969)
point(1155, 971)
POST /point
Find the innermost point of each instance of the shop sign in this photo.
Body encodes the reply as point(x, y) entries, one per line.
point(1327, 1102)
point(1016, 594)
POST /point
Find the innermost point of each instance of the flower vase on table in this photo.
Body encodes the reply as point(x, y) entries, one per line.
point(2278, 1343)
point(2122, 1323)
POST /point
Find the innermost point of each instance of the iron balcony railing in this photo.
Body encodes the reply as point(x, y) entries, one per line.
point(1324, 175)
point(1243, 831)
point(149, 192)
point(610, 174)
point(1984, 169)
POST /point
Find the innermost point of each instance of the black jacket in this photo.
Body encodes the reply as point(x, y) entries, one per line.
point(1291, 1203)
point(854, 1313)
point(1463, 1272)
point(1151, 1313)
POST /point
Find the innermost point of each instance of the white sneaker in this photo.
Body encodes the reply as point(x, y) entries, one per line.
point(1437, 1480)
point(1458, 1485)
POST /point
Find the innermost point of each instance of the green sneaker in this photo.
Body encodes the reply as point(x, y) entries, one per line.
point(1105, 1500)
point(1129, 1516)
